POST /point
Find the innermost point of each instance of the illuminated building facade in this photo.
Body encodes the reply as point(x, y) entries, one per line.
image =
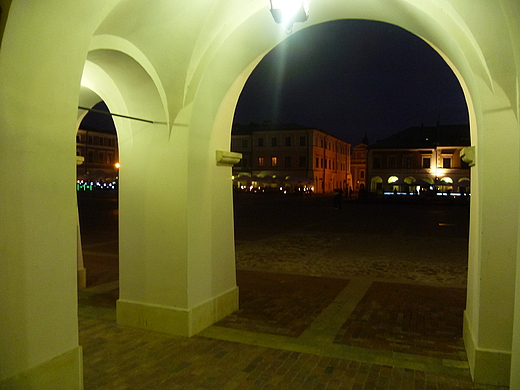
point(99, 151)
point(419, 160)
point(181, 65)
point(290, 157)
point(359, 168)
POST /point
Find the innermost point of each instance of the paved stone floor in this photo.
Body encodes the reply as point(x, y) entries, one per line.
point(322, 306)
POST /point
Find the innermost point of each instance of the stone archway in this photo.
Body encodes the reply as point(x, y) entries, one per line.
point(202, 60)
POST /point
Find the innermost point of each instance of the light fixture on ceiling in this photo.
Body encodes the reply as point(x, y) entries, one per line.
point(288, 12)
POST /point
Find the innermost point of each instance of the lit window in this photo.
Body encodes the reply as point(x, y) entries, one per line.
point(274, 161)
point(261, 161)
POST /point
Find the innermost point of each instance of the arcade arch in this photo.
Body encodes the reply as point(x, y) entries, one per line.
point(181, 270)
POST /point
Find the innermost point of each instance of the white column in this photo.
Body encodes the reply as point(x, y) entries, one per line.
point(489, 314)
point(39, 87)
point(169, 216)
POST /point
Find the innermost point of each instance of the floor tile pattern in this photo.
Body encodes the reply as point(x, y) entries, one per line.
point(281, 304)
point(408, 318)
point(118, 358)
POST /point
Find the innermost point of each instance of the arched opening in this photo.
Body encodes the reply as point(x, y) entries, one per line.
point(211, 64)
point(275, 250)
point(97, 193)
point(376, 185)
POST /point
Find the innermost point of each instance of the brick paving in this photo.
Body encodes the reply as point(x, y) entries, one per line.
point(321, 308)
point(408, 318)
point(282, 304)
point(118, 358)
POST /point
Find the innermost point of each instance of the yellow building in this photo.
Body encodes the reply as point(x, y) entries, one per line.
point(181, 66)
point(421, 159)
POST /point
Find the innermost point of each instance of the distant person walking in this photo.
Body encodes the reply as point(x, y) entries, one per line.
point(338, 197)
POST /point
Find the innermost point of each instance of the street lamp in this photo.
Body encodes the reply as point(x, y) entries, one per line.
point(117, 166)
point(288, 12)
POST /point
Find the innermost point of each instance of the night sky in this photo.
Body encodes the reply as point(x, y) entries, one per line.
point(352, 77)
point(348, 78)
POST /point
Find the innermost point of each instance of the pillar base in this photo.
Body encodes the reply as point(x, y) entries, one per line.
point(82, 278)
point(61, 372)
point(488, 367)
point(176, 321)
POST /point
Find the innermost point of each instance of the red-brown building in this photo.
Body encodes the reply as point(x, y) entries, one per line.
point(290, 157)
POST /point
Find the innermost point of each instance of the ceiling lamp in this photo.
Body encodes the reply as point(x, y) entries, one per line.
point(288, 12)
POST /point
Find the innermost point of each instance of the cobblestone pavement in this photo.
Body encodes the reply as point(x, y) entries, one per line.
point(322, 306)
point(351, 255)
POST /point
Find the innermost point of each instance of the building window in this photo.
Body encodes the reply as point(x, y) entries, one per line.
point(302, 161)
point(288, 141)
point(446, 162)
point(407, 162)
point(376, 162)
point(302, 141)
point(261, 161)
point(317, 162)
point(426, 162)
point(274, 161)
point(321, 163)
point(245, 144)
point(391, 162)
point(260, 142)
point(361, 174)
point(274, 141)
point(288, 161)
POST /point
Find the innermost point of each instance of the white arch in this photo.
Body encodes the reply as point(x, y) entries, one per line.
point(118, 44)
point(456, 42)
point(194, 62)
